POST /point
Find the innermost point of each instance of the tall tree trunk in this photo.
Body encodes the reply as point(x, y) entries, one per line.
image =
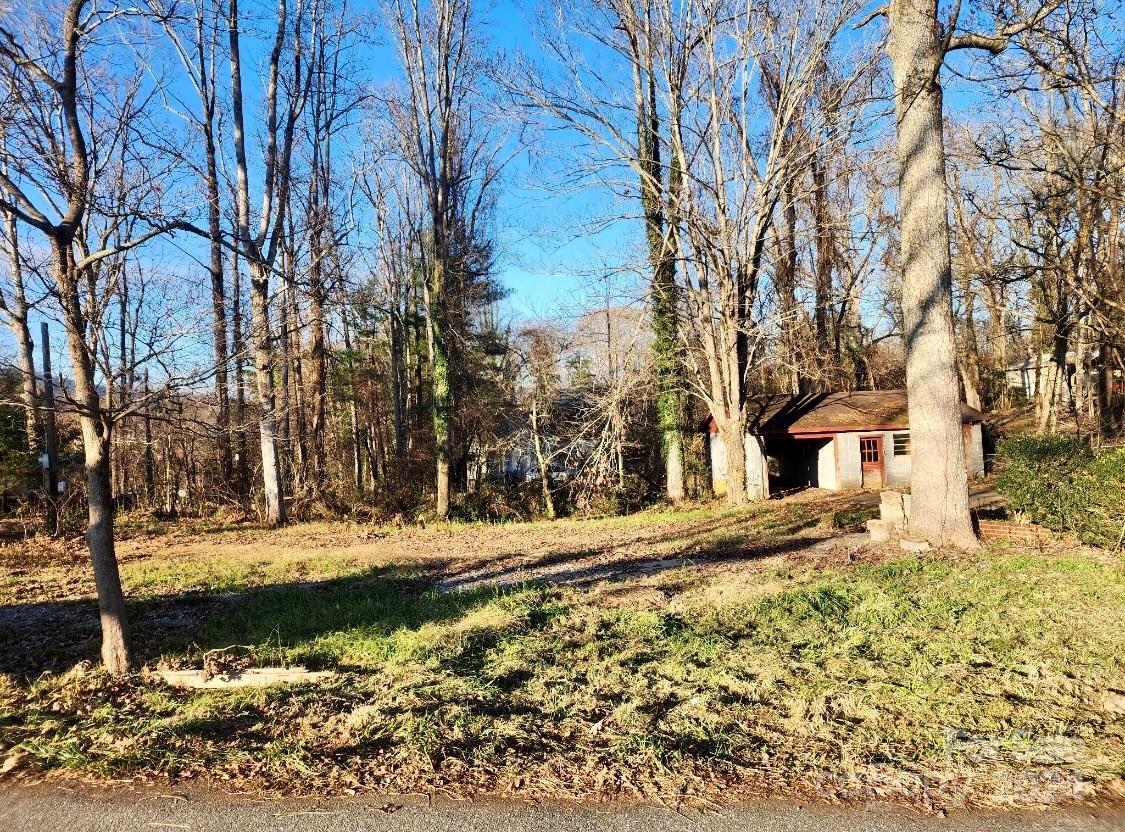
point(939, 482)
point(968, 358)
point(318, 380)
point(290, 468)
point(125, 383)
point(17, 312)
point(295, 426)
point(825, 250)
point(662, 252)
point(732, 433)
point(267, 395)
point(1052, 382)
point(242, 464)
point(787, 292)
point(218, 301)
point(398, 382)
point(260, 263)
point(319, 188)
point(99, 488)
point(440, 393)
point(149, 458)
point(50, 437)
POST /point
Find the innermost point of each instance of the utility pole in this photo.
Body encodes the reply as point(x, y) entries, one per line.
point(50, 458)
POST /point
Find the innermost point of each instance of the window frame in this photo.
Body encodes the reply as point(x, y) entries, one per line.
point(896, 437)
point(870, 445)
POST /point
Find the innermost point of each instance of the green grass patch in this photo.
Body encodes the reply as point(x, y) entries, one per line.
point(830, 673)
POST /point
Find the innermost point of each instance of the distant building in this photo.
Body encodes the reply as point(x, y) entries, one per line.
point(836, 441)
point(1025, 375)
point(1032, 374)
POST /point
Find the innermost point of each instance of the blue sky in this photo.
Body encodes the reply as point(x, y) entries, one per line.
point(549, 250)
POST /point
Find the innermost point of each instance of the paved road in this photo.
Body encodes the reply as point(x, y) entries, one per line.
point(51, 809)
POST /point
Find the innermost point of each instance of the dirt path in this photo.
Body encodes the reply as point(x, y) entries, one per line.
point(191, 557)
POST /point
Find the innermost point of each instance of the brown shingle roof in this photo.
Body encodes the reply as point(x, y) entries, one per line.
point(834, 412)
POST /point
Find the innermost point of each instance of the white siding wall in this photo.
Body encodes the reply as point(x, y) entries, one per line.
point(897, 467)
point(826, 466)
point(718, 465)
point(757, 472)
point(850, 475)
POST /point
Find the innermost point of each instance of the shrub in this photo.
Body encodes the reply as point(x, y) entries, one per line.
point(1031, 470)
point(1057, 481)
point(1095, 499)
point(500, 500)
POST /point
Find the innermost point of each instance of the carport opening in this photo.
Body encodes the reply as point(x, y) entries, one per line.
point(794, 463)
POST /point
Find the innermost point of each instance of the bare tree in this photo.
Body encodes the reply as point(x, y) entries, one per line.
point(260, 248)
point(539, 353)
point(917, 47)
point(627, 130)
point(194, 37)
point(16, 310)
point(736, 172)
point(450, 141)
point(53, 157)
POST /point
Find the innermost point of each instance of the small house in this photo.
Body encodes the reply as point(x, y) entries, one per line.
point(835, 441)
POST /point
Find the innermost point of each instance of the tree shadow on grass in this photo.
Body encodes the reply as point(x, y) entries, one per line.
point(53, 636)
point(370, 608)
point(727, 538)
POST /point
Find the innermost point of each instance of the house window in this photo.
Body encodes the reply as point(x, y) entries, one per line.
point(869, 449)
point(902, 444)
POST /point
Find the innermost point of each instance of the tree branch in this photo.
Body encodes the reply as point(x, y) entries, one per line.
point(998, 42)
point(882, 11)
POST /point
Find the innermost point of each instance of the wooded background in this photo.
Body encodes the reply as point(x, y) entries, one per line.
point(274, 240)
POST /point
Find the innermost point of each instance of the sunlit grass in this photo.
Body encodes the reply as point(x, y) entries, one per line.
point(825, 671)
point(666, 682)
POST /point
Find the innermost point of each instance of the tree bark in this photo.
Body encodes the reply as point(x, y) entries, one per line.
point(968, 363)
point(95, 426)
point(17, 313)
point(732, 433)
point(440, 389)
point(218, 298)
point(267, 395)
point(149, 458)
point(939, 482)
point(825, 251)
point(318, 381)
point(238, 342)
point(662, 252)
point(259, 253)
point(787, 293)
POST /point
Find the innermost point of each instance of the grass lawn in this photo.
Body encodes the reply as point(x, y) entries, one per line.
point(702, 653)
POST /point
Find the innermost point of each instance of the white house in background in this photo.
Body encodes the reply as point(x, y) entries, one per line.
point(836, 441)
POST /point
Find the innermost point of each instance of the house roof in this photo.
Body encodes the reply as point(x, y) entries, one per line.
point(835, 412)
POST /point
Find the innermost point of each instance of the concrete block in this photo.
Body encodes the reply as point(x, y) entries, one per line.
point(915, 546)
point(879, 530)
point(257, 677)
point(890, 507)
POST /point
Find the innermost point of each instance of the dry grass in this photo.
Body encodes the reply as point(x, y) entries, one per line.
point(702, 653)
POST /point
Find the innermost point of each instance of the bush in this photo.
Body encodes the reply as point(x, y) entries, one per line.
point(496, 500)
point(1032, 468)
point(1096, 500)
point(1057, 481)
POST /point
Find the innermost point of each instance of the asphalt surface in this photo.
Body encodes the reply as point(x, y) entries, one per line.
point(54, 809)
